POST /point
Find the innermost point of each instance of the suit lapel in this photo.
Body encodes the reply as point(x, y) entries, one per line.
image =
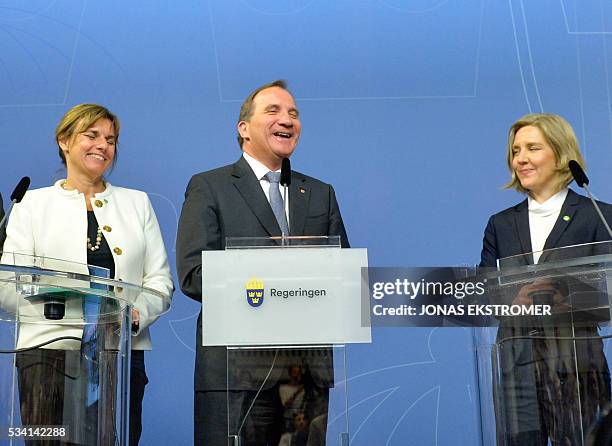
point(521, 222)
point(565, 219)
point(248, 186)
point(299, 196)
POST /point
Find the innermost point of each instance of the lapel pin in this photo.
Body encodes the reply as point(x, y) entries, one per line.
point(566, 218)
point(302, 190)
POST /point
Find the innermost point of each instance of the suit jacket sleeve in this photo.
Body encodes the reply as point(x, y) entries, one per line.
point(336, 225)
point(19, 231)
point(156, 271)
point(20, 241)
point(602, 231)
point(489, 253)
point(198, 230)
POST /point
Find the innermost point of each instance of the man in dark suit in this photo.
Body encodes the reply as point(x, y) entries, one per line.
point(235, 201)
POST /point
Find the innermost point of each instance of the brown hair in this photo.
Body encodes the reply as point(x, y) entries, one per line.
point(78, 119)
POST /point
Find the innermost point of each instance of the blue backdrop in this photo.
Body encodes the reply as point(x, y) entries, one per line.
point(405, 109)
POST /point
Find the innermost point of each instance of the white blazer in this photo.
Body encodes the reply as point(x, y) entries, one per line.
point(52, 222)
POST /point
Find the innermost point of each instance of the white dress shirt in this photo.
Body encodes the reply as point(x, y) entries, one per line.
point(542, 218)
point(261, 171)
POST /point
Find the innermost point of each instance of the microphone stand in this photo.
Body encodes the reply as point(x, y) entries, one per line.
point(601, 216)
point(8, 211)
point(284, 241)
point(582, 180)
point(285, 180)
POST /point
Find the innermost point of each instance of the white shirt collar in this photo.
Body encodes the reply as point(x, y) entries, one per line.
point(257, 166)
point(553, 204)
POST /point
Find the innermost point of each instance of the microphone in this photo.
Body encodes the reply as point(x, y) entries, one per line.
point(582, 180)
point(20, 189)
point(579, 176)
point(285, 177)
point(16, 197)
point(285, 181)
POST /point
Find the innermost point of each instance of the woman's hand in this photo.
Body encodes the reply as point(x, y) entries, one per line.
point(546, 291)
point(135, 319)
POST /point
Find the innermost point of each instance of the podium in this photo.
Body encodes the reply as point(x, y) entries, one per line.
point(65, 331)
point(547, 377)
point(284, 308)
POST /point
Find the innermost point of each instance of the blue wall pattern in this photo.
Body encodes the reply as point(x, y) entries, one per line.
point(405, 106)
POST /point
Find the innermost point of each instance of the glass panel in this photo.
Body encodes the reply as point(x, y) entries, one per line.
point(546, 380)
point(286, 396)
point(282, 242)
point(259, 293)
point(64, 350)
point(550, 256)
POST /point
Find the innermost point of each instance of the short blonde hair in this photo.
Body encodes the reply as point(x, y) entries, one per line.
point(78, 119)
point(559, 134)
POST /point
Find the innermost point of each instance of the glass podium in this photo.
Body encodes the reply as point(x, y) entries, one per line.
point(65, 331)
point(545, 378)
point(288, 302)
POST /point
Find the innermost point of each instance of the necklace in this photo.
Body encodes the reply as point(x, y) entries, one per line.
point(91, 247)
point(64, 185)
point(95, 247)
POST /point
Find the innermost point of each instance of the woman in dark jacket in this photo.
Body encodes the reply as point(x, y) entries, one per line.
point(549, 389)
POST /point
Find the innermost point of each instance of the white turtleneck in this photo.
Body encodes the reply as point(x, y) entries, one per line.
point(542, 218)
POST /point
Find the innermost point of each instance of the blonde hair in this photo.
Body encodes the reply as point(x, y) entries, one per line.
point(78, 119)
point(559, 134)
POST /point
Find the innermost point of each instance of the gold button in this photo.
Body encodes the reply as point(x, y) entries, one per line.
point(98, 203)
point(117, 251)
point(107, 228)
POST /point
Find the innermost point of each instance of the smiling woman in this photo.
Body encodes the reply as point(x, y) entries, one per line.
point(534, 163)
point(540, 147)
point(542, 398)
point(87, 139)
point(86, 220)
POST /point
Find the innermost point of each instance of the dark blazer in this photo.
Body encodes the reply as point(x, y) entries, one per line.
point(507, 233)
point(229, 202)
point(3, 228)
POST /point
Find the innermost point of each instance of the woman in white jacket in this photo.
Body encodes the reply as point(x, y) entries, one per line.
point(85, 219)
